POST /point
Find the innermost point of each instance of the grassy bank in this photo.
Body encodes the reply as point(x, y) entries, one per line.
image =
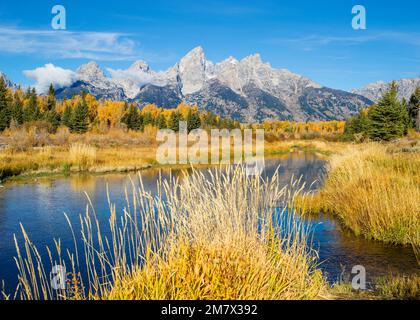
point(374, 189)
point(386, 288)
point(75, 158)
point(231, 246)
point(98, 154)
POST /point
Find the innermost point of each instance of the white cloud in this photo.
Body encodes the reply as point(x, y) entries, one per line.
point(68, 44)
point(137, 76)
point(50, 74)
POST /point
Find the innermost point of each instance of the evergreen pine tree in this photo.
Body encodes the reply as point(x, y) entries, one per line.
point(31, 112)
point(51, 115)
point(388, 119)
point(414, 109)
point(357, 124)
point(17, 109)
point(51, 98)
point(133, 118)
point(67, 117)
point(80, 118)
point(147, 119)
point(405, 116)
point(193, 120)
point(161, 121)
point(4, 105)
point(174, 119)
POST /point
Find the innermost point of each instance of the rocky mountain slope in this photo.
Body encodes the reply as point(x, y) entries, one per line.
point(374, 91)
point(248, 90)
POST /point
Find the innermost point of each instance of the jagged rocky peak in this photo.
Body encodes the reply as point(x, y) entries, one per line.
point(90, 72)
point(230, 60)
point(253, 59)
point(193, 70)
point(140, 65)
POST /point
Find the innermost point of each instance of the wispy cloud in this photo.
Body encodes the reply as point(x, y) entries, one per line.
point(308, 42)
point(106, 46)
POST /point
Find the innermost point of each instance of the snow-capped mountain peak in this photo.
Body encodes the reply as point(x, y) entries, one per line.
point(248, 89)
point(193, 71)
point(90, 72)
point(374, 91)
point(140, 65)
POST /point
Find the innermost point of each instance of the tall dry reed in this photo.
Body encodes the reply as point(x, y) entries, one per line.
point(214, 235)
point(82, 155)
point(375, 193)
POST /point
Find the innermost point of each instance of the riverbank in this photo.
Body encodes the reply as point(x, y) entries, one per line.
point(85, 158)
point(391, 287)
point(374, 189)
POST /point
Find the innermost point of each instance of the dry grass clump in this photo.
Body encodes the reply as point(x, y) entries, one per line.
point(61, 137)
point(390, 287)
point(40, 133)
point(399, 287)
point(82, 155)
point(375, 193)
point(33, 134)
point(217, 271)
point(118, 137)
point(319, 147)
point(207, 237)
point(56, 160)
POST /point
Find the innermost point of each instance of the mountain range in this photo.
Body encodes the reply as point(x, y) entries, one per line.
point(374, 91)
point(248, 90)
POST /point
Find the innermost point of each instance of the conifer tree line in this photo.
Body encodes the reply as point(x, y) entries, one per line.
point(388, 119)
point(84, 112)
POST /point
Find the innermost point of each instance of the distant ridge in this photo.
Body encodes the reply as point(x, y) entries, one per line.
point(374, 91)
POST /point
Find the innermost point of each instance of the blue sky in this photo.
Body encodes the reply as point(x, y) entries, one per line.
point(312, 38)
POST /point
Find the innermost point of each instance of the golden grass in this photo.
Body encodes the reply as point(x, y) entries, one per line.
point(391, 287)
point(82, 155)
point(320, 147)
point(211, 238)
point(63, 160)
point(117, 151)
point(399, 287)
point(374, 192)
point(33, 151)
